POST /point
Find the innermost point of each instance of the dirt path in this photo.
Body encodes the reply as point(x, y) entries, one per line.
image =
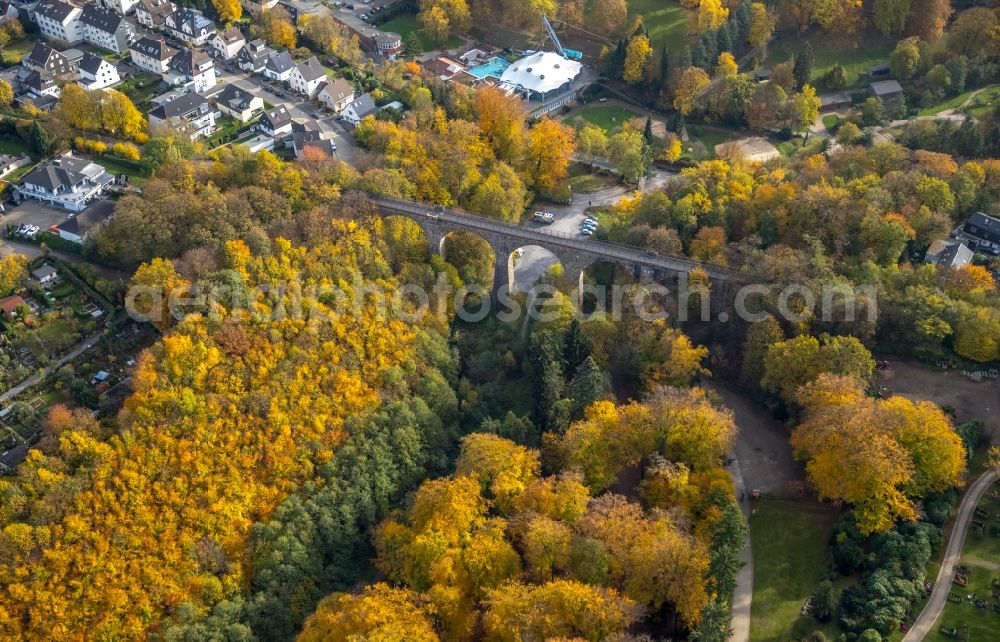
point(762, 447)
point(948, 389)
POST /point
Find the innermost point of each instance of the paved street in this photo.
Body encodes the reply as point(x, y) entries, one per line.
point(535, 261)
point(942, 585)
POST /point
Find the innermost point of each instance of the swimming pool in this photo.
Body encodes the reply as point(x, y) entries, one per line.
point(495, 67)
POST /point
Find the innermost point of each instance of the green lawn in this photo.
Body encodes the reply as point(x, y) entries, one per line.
point(830, 121)
point(581, 181)
point(856, 53)
point(13, 146)
point(608, 117)
point(790, 549)
point(666, 21)
point(407, 23)
point(18, 49)
point(701, 144)
point(113, 166)
point(984, 102)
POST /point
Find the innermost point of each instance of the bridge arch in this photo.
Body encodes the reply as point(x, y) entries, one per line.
point(472, 255)
point(406, 240)
point(530, 263)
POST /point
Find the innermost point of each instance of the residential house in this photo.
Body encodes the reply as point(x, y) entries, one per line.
point(9, 163)
point(73, 57)
point(388, 44)
point(192, 69)
point(58, 20)
point(238, 103)
point(189, 113)
point(121, 7)
point(152, 54)
point(226, 44)
point(279, 66)
point(314, 139)
point(948, 253)
point(307, 77)
point(45, 274)
point(189, 25)
point(981, 232)
point(39, 84)
point(11, 459)
point(258, 143)
point(276, 121)
point(444, 67)
point(359, 108)
point(256, 7)
point(67, 182)
point(10, 305)
point(153, 13)
point(253, 56)
point(886, 90)
point(8, 12)
point(97, 73)
point(81, 226)
point(106, 29)
point(45, 58)
point(337, 95)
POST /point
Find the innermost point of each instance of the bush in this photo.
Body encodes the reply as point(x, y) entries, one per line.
point(971, 433)
point(127, 151)
point(836, 78)
point(823, 601)
point(939, 506)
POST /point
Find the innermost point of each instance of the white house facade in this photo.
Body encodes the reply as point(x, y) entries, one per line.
point(59, 20)
point(189, 25)
point(121, 7)
point(337, 95)
point(307, 77)
point(106, 29)
point(67, 182)
point(97, 73)
point(226, 44)
point(189, 113)
point(152, 55)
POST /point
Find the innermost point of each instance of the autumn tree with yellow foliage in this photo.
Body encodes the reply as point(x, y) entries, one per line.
point(875, 455)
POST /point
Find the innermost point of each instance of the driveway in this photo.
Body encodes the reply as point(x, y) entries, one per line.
point(32, 212)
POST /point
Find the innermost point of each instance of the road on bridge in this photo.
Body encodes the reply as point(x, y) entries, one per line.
point(538, 236)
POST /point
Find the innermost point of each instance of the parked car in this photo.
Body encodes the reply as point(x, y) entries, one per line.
point(587, 231)
point(316, 115)
point(544, 217)
point(588, 225)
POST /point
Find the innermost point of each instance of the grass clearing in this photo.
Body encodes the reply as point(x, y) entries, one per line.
point(856, 53)
point(13, 146)
point(790, 551)
point(984, 101)
point(113, 166)
point(830, 121)
point(18, 49)
point(406, 24)
point(607, 117)
point(666, 21)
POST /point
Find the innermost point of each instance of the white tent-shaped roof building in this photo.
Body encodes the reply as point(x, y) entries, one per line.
point(543, 73)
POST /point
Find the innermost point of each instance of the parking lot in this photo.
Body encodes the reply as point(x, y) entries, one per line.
point(31, 212)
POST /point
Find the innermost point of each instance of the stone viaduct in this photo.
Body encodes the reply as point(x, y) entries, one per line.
point(575, 253)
